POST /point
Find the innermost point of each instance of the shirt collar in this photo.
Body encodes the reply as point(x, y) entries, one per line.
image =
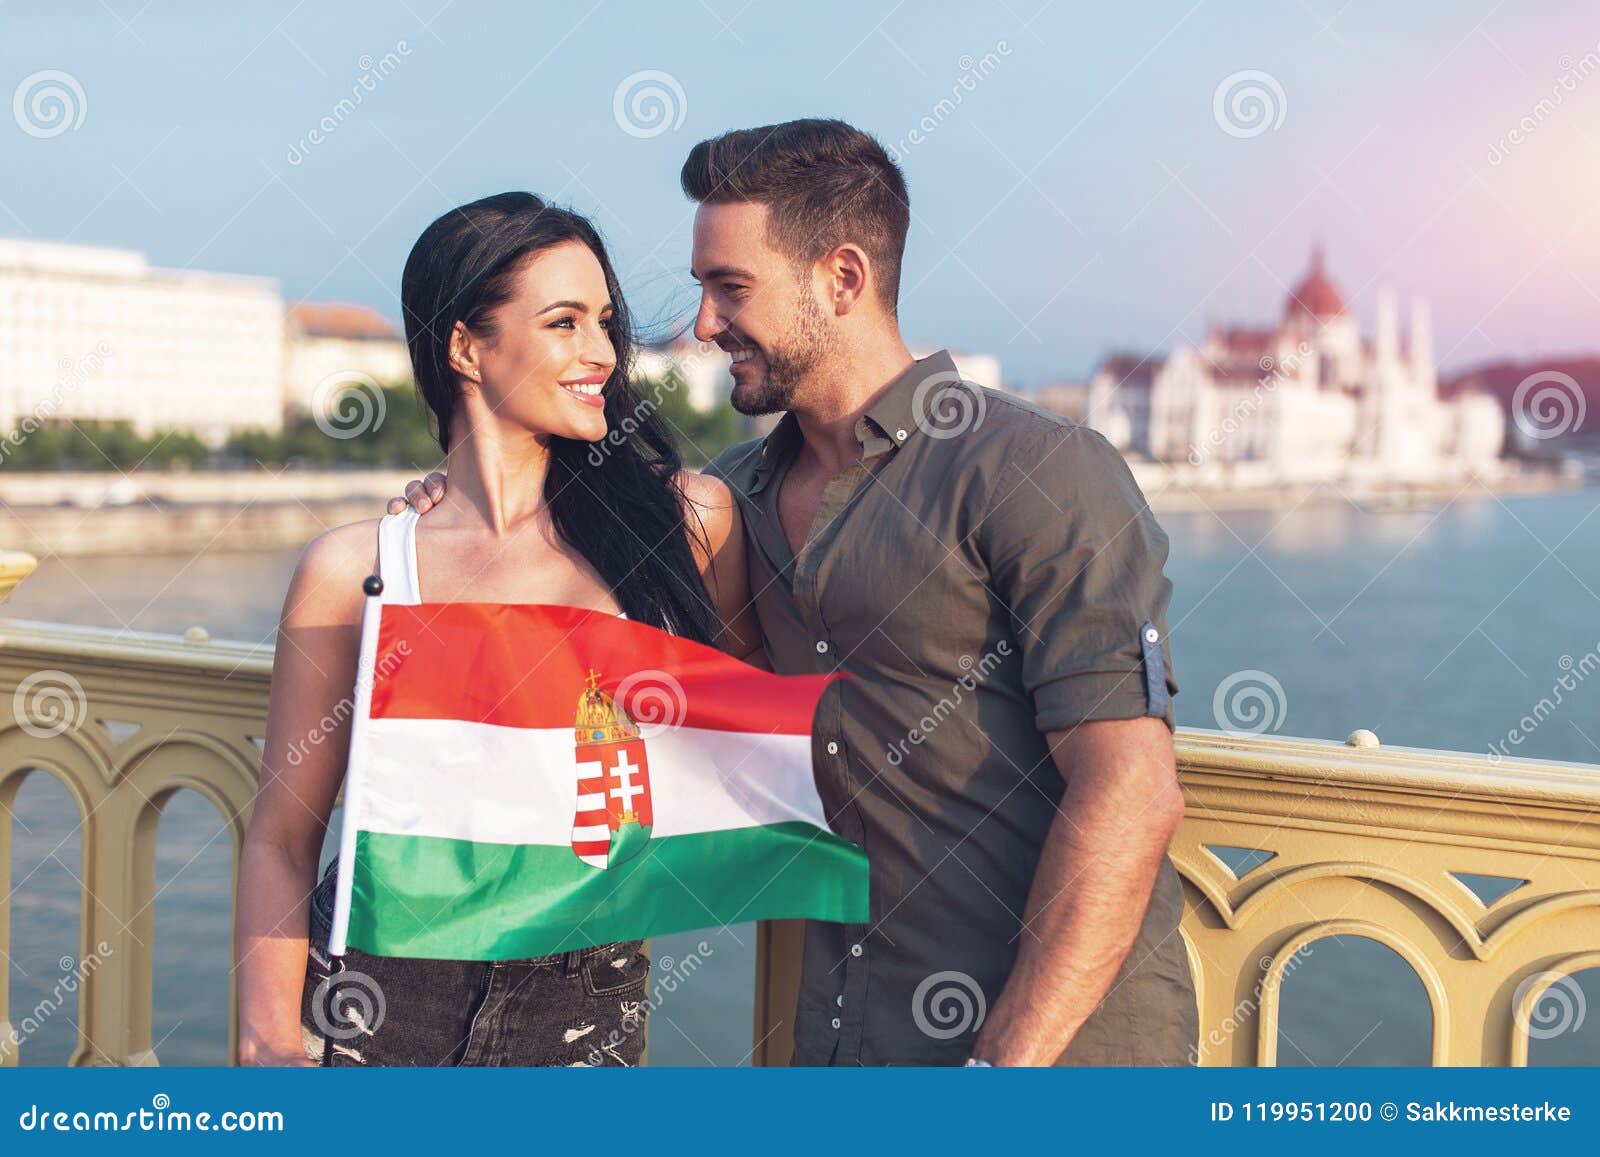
point(888, 423)
point(899, 412)
point(779, 443)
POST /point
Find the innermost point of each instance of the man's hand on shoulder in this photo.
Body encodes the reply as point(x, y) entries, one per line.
point(420, 494)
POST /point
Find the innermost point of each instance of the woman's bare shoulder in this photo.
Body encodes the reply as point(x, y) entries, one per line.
point(326, 587)
point(711, 500)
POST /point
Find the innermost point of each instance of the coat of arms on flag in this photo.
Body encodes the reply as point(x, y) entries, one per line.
point(526, 779)
point(613, 815)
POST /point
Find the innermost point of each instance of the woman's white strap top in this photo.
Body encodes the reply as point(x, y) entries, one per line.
point(397, 558)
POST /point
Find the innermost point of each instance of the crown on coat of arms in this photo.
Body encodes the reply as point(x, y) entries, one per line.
point(600, 719)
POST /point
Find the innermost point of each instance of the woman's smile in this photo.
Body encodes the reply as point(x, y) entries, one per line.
point(587, 390)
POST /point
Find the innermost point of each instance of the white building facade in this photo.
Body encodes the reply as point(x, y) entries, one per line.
point(1305, 401)
point(331, 347)
point(98, 335)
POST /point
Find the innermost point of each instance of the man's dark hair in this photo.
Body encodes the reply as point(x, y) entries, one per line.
point(824, 184)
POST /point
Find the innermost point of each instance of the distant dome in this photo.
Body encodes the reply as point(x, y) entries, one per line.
point(1316, 298)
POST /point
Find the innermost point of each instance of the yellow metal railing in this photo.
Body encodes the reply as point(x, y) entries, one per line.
point(124, 721)
point(1364, 840)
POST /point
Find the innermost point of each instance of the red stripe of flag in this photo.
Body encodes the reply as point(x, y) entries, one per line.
point(525, 664)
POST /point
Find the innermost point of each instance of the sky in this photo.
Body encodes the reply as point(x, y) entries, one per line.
point(1084, 178)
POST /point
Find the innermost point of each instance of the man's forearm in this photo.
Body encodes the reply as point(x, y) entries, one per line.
point(1088, 899)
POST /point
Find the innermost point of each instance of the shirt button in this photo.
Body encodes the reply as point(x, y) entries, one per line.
point(822, 646)
point(855, 950)
point(1152, 635)
point(835, 1022)
point(899, 435)
point(833, 748)
point(839, 1000)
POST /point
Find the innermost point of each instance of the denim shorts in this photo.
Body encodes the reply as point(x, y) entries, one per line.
point(581, 1008)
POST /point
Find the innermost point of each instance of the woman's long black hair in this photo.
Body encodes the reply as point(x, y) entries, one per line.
point(617, 502)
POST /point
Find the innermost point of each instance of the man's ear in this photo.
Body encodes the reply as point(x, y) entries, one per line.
point(847, 274)
point(464, 354)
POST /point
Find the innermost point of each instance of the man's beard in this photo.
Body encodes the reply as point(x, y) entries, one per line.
point(787, 366)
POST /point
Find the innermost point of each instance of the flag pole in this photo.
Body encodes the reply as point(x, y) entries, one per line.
point(372, 587)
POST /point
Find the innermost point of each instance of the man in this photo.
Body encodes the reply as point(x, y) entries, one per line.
point(991, 576)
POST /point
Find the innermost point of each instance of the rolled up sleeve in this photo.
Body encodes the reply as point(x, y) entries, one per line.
point(1076, 556)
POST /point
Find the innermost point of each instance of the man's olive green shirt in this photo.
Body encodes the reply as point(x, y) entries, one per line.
point(987, 572)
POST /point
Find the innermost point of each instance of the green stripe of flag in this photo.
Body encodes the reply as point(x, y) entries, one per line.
point(475, 901)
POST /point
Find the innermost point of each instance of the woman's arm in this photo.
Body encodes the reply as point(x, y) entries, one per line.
point(302, 765)
point(722, 563)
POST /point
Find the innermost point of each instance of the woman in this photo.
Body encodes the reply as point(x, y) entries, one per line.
point(520, 347)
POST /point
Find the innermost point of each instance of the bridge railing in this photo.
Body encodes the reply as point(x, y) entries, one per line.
point(1350, 839)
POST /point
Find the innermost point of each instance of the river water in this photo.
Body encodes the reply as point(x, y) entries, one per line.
point(1435, 628)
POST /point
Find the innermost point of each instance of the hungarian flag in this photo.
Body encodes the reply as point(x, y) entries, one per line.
point(527, 779)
